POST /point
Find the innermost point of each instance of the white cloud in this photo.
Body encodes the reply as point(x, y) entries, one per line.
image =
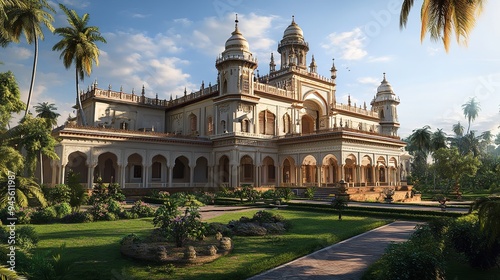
point(350, 45)
point(369, 81)
point(432, 51)
point(137, 15)
point(380, 58)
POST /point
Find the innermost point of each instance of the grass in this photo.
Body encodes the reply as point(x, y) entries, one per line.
point(94, 247)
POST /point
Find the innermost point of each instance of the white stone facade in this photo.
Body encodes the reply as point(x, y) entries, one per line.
point(281, 129)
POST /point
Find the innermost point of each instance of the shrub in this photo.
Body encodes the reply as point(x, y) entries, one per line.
point(26, 237)
point(418, 258)
point(78, 193)
point(44, 216)
point(78, 217)
point(269, 194)
point(179, 227)
point(142, 209)
point(57, 194)
point(263, 217)
point(284, 193)
point(114, 207)
point(130, 239)
point(467, 238)
point(128, 215)
point(62, 209)
point(309, 193)
point(109, 216)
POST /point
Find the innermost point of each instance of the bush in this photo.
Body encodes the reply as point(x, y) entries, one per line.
point(418, 258)
point(467, 238)
point(114, 207)
point(269, 194)
point(62, 209)
point(128, 215)
point(57, 194)
point(284, 193)
point(78, 217)
point(179, 227)
point(26, 237)
point(309, 193)
point(142, 209)
point(44, 216)
point(130, 239)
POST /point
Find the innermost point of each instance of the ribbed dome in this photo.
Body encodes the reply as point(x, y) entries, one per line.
point(293, 30)
point(385, 87)
point(237, 41)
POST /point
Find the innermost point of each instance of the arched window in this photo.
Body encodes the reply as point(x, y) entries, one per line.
point(156, 170)
point(245, 125)
point(266, 123)
point(286, 123)
point(178, 170)
point(193, 121)
point(224, 87)
point(210, 126)
point(381, 114)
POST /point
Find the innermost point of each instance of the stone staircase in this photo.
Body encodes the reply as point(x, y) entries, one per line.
point(324, 193)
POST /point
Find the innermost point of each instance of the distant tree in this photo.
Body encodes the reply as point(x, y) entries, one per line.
point(453, 166)
point(78, 46)
point(27, 18)
point(33, 136)
point(10, 99)
point(442, 18)
point(438, 140)
point(47, 112)
point(471, 111)
point(421, 140)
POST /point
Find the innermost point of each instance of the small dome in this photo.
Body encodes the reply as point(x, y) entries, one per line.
point(293, 30)
point(237, 41)
point(385, 87)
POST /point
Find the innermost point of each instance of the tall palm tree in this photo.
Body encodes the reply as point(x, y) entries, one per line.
point(47, 111)
point(27, 18)
point(438, 140)
point(442, 17)
point(421, 140)
point(78, 46)
point(471, 110)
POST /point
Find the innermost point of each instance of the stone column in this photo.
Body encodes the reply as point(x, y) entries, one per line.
point(191, 175)
point(63, 173)
point(170, 176)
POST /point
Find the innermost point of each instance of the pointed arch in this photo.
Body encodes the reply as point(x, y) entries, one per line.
point(266, 122)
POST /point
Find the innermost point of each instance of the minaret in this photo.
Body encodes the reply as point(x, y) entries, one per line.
point(385, 103)
point(272, 65)
point(333, 70)
point(293, 45)
point(313, 68)
point(236, 65)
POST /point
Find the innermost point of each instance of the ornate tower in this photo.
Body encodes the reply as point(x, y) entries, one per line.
point(385, 103)
point(293, 48)
point(236, 66)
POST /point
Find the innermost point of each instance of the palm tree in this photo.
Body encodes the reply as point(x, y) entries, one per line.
point(438, 140)
point(440, 18)
point(488, 211)
point(27, 18)
point(47, 111)
point(25, 188)
point(6, 273)
point(471, 110)
point(421, 140)
point(78, 46)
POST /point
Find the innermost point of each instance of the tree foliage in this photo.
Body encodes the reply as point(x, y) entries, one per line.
point(450, 165)
point(442, 18)
point(10, 99)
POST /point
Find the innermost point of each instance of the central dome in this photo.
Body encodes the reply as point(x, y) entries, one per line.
point(237, 41)
point(293, 30)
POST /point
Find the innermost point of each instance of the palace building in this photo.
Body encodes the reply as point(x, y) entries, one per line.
point(284, 129)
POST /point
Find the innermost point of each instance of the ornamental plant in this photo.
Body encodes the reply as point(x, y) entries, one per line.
point(178, 226)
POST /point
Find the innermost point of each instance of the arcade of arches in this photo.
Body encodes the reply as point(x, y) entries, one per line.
point(139, 170)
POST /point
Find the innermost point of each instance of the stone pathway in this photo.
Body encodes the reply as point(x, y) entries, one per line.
point(345, 260)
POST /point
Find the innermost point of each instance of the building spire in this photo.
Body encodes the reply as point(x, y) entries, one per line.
point(236, 22)
point(333, 70)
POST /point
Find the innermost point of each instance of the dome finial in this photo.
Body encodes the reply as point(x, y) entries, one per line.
point(236, 22)
point(384, 78)
point(293, 19)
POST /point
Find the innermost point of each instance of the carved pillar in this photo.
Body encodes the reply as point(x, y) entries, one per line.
point(170, 176)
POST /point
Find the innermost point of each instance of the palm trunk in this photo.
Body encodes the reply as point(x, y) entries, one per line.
point(41, 168)
point(33, 74)
point(78, 99)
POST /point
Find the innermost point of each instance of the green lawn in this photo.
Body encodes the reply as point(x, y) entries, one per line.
point(94, 247)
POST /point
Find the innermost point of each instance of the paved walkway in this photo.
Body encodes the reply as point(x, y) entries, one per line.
point(345, 260)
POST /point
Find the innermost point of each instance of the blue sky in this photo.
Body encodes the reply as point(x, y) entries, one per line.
point(168, 47)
